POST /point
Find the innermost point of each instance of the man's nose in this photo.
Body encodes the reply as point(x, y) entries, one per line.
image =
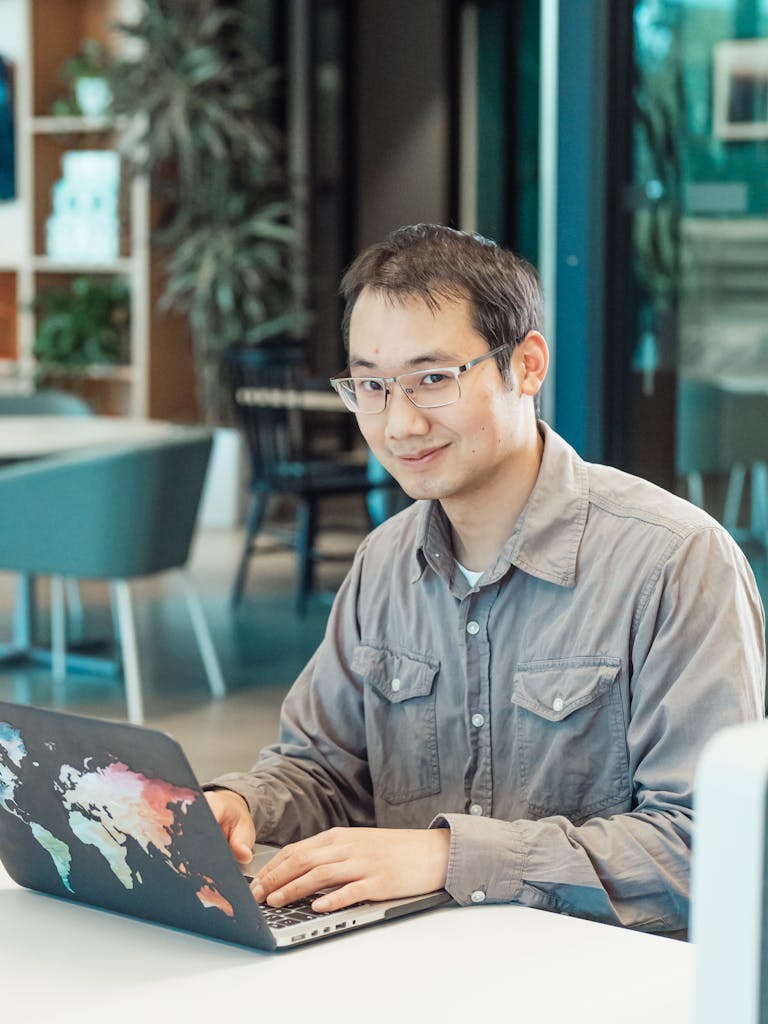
point(404, 419)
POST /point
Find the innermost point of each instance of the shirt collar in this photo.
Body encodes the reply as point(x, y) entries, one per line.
point(546, 538)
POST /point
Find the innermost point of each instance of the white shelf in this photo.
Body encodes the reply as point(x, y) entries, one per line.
point(43, 264)
point(71, 125)
point(49, 32)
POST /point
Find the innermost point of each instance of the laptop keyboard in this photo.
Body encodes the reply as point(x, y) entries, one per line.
point(291, 913)
point(295, 913)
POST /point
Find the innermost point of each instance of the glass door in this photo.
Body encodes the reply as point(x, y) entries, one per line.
point(689, 283)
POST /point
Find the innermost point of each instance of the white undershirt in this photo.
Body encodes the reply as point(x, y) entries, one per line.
point(469, 574)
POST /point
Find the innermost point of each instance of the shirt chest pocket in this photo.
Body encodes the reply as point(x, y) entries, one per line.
point(400, 722)
point(570, 736)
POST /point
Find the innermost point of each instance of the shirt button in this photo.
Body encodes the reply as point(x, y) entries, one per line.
point(558, 704)
point(478, 720)
point(473, 628)
point(478, 896)
point(475, 809)
point(396, 685)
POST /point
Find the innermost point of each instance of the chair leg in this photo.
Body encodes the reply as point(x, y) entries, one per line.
point(127, 633)
point(115, 614)
point(733, 495)
point(75, 607)
point(203, 636)
point(759, 510)
point(58, 630)
point(254, 522)
point(695, 489)
point(24, 612)
point(306, 528)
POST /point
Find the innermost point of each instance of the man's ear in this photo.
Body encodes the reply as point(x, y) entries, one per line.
point(530, 362)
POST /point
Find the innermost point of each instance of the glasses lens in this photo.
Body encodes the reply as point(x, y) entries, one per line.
point(362, 394)
point(431, 388)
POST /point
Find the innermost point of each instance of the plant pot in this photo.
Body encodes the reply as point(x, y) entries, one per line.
point(93, 95)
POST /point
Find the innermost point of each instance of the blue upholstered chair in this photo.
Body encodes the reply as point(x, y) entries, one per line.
point(112, 513)
point(44, 403)
point(50, 402)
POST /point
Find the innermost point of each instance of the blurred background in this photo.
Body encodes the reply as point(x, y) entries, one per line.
point(182, 184)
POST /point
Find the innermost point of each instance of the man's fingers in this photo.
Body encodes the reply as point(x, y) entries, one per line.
point(297, 859)
point(231, 812)
point(241, 841)
point(307, 884)
point(340, 898)
point(357, 864)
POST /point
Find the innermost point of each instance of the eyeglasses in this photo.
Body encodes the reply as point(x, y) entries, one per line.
point(426, 389)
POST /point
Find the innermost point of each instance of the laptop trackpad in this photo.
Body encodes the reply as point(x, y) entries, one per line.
point(262, 854)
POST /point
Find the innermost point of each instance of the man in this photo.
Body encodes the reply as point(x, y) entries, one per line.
point(520, 670)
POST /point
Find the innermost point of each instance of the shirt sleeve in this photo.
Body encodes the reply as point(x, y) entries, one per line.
point(317, 776)
point(698, 665)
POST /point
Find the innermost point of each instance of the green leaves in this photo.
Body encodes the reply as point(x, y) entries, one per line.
point(85, 323)
point(205, 95)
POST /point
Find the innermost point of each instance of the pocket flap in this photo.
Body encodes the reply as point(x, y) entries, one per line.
point(555, 689)
point(396, 675)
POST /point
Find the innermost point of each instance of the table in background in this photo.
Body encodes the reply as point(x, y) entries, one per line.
point(31, 437)
point(68, 963)
point(311, 399)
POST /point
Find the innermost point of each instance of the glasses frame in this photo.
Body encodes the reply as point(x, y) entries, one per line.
point(338, 381)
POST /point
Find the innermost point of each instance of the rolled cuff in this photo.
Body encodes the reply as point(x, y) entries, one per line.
point(486, 860)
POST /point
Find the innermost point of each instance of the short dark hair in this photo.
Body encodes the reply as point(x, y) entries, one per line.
point(431, 262)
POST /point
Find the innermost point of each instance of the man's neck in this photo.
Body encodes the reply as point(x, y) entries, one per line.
point(482, 525)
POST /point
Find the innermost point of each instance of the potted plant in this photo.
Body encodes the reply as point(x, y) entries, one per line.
point(85, 75)
point(81, 325)
point(199, 94)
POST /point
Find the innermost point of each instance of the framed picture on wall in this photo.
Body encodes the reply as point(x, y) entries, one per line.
point(740, 89)
point(7, 149)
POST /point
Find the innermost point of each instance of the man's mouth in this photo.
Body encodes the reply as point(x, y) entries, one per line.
point(420, 458)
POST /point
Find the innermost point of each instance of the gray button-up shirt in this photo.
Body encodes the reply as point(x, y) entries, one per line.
point(550, 716)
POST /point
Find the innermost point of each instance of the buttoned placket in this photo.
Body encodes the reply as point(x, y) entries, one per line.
point(474, 611)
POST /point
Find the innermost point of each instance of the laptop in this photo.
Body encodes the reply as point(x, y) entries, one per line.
point(111, 815)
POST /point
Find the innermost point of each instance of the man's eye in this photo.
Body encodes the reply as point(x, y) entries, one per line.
point(435, 377)
point(369, 384)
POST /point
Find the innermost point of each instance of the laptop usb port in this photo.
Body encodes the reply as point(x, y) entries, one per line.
point(298, 938)
point(342, 925)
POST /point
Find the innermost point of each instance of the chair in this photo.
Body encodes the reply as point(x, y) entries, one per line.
point(723, 432)
point(44, 403)
point(50, 402)
point(114, 514)
point(282, 462)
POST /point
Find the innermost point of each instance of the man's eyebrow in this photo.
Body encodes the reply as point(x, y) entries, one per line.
point(437, 357)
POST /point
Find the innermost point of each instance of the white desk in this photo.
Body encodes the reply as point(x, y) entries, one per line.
point(30, 437)
point(65, 963)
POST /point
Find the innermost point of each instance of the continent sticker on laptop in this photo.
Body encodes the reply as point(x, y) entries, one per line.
point(110, 808)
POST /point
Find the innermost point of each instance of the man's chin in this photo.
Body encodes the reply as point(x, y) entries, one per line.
point(420, 490)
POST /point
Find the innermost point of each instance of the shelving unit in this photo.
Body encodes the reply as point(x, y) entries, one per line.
point(42, 35)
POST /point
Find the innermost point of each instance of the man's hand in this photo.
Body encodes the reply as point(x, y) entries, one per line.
point(231, 812)
point(358, 863)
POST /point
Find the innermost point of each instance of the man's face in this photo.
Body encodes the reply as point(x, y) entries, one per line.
point(454, 453)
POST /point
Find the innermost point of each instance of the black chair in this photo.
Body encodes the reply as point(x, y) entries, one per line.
point(269, 386)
